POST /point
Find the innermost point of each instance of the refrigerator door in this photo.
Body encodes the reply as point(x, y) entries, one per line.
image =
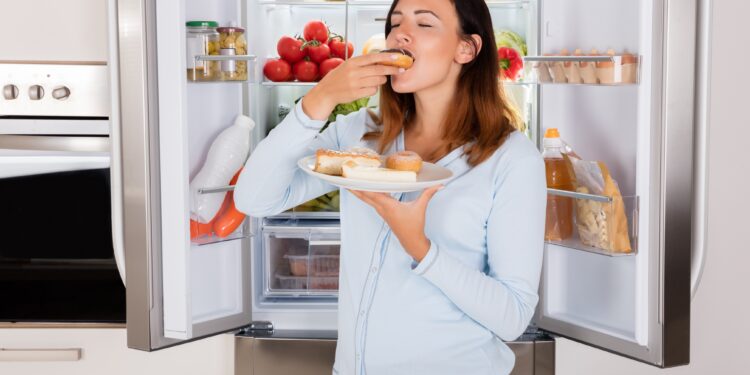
point(637, 306)
point(177, 291)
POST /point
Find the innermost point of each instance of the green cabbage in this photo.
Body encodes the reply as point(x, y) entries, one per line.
point(507, 38)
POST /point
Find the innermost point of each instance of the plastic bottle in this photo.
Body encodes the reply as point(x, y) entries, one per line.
point(559, 223)
point(225, 157)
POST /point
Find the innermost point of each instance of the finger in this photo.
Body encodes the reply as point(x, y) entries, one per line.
point(428, 193)
point(374, 58)
point(366, 92)
point(376, 81)
point(380, 70)
point(382, 199)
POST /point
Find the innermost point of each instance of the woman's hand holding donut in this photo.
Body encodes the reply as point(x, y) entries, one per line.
point(406, 219)
point(356, 78)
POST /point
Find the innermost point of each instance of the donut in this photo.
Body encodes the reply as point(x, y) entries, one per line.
point(404, 161)
point(405, 59)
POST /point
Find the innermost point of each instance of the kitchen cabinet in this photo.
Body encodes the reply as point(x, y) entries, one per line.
point(104, 351)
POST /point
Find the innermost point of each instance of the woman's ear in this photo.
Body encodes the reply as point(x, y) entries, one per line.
point(468, 51)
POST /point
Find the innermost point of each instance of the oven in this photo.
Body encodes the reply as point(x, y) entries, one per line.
point(57, 251)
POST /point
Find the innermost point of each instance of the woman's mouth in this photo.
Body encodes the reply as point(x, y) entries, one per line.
point(402, 51)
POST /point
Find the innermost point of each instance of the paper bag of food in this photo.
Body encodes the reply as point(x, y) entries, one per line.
point(600, 224)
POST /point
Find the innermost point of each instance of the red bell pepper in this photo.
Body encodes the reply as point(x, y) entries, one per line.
point(510, 63)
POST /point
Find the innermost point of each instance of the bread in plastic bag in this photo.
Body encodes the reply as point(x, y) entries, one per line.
point(600, 224)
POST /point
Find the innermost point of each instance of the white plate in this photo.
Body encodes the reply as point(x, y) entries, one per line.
point(430, 175)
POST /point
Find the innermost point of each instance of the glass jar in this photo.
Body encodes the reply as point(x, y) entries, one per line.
point(232, 42)
point(202, 39)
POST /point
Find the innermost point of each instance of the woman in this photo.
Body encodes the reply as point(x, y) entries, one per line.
point(430, 283)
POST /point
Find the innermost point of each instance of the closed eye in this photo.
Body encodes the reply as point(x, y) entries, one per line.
point(396, 25)
point(424, 25)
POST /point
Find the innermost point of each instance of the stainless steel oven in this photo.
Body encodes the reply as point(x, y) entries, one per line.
point(57, 257)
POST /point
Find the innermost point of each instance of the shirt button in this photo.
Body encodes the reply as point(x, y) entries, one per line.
point(374, 269)
point(362, 313)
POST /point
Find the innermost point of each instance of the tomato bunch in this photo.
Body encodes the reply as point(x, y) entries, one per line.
point(310, 57)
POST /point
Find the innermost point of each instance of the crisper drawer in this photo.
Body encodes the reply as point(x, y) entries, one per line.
point(301, 261)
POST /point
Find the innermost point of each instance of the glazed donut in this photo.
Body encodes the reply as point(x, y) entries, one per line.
point(405, 59)
point(404, 161)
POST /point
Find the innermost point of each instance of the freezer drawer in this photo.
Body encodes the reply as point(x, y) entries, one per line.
point(535, 355)
point(300, 262)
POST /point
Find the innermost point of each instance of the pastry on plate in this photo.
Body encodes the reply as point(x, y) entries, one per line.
point(352, 169)
point(330, 161)
point(404, 161)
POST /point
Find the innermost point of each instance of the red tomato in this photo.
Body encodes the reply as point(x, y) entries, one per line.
point(277, 70)
point(337, 47)
point(290, 49)
point(328, 65)
point(317, 51)
point(305, 71)
point(316, 30)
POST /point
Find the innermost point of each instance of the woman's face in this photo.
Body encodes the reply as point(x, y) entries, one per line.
point(429, 30)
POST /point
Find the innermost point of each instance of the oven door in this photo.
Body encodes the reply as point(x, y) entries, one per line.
point(56, 254)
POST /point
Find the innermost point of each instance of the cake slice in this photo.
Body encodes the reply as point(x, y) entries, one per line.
point(351, 169)
point(329, 161)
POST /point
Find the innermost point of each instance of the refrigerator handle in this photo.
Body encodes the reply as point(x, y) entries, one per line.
point(703, 61)
point(115, 145)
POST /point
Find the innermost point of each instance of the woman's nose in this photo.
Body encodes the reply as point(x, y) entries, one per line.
point(403, 38)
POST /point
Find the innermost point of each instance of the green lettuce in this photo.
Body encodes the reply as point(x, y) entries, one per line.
point(347, 108)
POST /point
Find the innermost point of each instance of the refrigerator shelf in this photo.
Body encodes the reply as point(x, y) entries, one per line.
point(225, 58)
point(602, 70)
point(218, 189)
point(307, 215)
point(598, 224)
point(292, 84)
point(355, 3)
point(214, 239)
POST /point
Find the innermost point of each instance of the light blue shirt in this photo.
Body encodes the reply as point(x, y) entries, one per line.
point(476, 287)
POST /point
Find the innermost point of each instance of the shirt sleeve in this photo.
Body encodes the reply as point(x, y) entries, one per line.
point(504, 299)
point(271, 181)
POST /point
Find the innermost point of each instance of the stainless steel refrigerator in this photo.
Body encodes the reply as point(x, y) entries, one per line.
point(646, 123)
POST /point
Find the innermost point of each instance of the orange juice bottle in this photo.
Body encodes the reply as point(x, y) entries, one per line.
point(559, 223)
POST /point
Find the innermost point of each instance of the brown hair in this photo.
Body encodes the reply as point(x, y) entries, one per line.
point(481, 118)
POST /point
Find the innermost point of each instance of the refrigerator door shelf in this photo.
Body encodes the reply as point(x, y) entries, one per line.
point(601, 224)
point(616, 70)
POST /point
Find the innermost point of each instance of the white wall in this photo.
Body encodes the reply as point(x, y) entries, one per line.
point(720, 321)
point(79, 30)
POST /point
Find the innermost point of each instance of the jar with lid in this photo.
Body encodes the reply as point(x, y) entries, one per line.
point(232, 42)
point(202, 39)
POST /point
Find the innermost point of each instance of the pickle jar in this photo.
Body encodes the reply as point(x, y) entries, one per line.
point(232, 42)
point(202, 39)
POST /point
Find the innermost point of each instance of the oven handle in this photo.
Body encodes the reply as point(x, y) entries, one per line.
point(54, 143)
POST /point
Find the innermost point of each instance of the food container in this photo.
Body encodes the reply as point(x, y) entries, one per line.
point(308, 282)
point(202, 39)
point(231, 43)
point(315, 265)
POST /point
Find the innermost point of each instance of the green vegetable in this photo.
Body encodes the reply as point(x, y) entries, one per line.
point(507, 38)
point(347, 108)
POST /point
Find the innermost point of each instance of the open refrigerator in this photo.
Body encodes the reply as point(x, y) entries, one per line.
point(275, 278)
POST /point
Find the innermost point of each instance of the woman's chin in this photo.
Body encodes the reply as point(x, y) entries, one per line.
point(402, 85)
